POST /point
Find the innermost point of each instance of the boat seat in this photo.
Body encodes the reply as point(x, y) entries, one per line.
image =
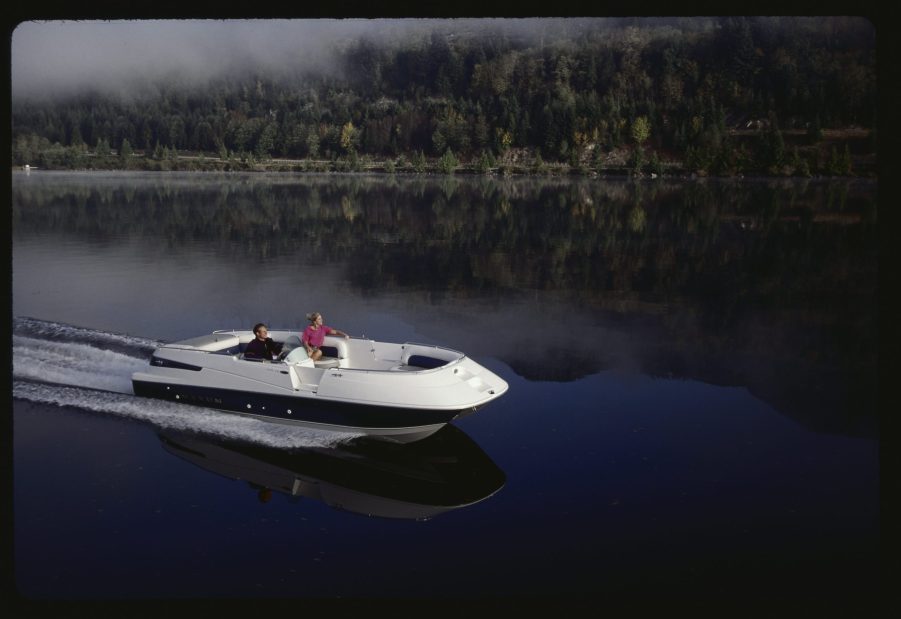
point(331, 355)
point(293, 351)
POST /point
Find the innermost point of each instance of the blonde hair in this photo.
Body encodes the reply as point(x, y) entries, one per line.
point(312, 316)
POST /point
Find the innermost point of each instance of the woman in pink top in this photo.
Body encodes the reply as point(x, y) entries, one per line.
point(314, 334)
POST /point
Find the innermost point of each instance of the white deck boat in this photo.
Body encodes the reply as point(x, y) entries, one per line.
point(402, 392)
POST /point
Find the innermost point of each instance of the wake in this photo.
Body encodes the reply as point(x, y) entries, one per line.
point(64, 365)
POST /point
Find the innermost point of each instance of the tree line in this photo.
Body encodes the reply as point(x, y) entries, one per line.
point(720, 96)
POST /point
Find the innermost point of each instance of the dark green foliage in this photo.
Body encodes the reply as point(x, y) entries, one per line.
point(448, 162)
point(485, 163)
point(683, 88)
point(636, 161)
point(103, 149)
point(839, 162)
point(418, 162)
point(654, 164)
point(125, 151)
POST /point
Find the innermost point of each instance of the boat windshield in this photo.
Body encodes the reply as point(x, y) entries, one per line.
point(290, 343)
point(293, 350)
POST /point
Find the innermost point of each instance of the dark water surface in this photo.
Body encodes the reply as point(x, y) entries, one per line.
point(691, 414)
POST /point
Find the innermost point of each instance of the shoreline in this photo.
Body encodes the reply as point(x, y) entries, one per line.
point(461, 173)
point(432, 169)
point(840, 153)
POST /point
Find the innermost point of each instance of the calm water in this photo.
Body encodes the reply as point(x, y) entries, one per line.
point(692, 412)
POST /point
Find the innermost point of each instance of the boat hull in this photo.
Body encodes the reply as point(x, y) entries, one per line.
point(394, 423)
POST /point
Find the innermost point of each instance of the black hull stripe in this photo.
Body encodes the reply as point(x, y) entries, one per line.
point(289, 408)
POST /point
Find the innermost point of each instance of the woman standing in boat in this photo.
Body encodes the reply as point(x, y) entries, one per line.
point(315, 333)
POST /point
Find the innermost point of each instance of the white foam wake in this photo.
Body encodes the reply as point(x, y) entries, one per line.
point(182, 417)
point(70, 363)
point(60, 332)
point(91, 370)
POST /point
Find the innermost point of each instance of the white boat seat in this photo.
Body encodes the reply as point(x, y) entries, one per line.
point(293, 351)
point(327, 362)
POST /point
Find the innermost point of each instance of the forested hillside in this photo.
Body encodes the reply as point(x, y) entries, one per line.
point(777, 96)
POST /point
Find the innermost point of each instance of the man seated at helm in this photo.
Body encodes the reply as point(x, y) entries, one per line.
point(262, 346)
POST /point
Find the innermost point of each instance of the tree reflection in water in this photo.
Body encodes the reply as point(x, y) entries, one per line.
point(731, 282)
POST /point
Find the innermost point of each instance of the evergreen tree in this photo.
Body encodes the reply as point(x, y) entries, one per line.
point(655, 165)
point(538, 166)
point(418, 162)
point(125, 151)
point(103, 148)
point(484, 164)
point(448, 162)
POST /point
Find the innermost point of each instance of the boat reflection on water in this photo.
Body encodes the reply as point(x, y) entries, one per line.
point(416, 481)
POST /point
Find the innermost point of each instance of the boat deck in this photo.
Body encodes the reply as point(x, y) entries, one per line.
point(347, 353)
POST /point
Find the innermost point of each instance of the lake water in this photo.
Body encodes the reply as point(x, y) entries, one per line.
point(691, 414)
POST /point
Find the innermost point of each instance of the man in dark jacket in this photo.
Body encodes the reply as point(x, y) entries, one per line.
point(262, 346)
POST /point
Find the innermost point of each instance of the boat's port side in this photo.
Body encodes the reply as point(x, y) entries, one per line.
point(162, 362)
point(293, 408)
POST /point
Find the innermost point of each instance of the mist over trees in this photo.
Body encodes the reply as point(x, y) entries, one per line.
point(718, 95)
